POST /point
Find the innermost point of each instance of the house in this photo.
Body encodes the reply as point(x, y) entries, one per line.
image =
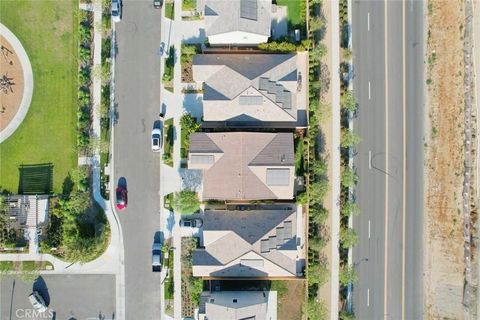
point(238, 305)
point(252, 90)
point(264, 243)
point(243, 165)
point(236, 22)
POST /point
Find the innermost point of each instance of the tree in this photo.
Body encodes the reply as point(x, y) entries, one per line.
point(318, 168)
point(318, 52)
point(348, 238)
point(317, 274)
point(350, 139)
point(347, 275)
point(78, 203)
point(186, 202)
point(345, 315)
point(316, 243)
point(348, 101)
point(189, 123)
point(316, 310)
point(318, 214)
point(79, 177)
point(195, 286)
point(317, 191)
point(350, 208)
point(315, 24)
point(349, 178)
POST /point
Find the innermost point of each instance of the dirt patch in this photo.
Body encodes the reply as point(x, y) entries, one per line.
point(444, 164)
point(290, 303)
point(11, 72)
point(187, 74)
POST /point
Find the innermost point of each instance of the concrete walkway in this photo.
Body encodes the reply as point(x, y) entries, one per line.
point(27, 83)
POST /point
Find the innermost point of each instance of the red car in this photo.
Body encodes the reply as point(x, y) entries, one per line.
point(121, 200)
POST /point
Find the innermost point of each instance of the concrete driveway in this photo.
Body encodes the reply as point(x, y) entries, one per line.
point(137, 100)
point(80, 297)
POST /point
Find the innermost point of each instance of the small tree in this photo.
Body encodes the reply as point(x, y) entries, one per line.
point(318, 168)
point(318, 214)
point(317, 191)
point(316, 310)
point(315, 24)
point(349, 177)
point(348, 101)
point(186, 201)
point(188, 122)
point(316, 243)
point(350, 208)
point(318, 52)
point(350, 139)
point(347, 275)
point(348, 238)
point(317, 274)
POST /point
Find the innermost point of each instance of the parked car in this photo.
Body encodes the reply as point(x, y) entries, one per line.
point(116, 10)
point(121, 197)
point(157, 257)
point(157, 4)
point(37, 301)
point(156, 139)
point(191, 222)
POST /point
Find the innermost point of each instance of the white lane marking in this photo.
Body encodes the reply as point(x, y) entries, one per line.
point(370, 159)
point(369, 91)
point(368, 21)
point(368, 297)
point(368, 229)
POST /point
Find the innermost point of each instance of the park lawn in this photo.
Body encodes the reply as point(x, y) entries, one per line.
point(294, 11)
point(47, 31)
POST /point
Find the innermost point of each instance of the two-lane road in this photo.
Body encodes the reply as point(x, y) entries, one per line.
point(137, 96)
point(389, 86)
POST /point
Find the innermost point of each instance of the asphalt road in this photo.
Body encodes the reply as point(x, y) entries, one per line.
point(137, 95)
point(389, 86)
point(82, 297)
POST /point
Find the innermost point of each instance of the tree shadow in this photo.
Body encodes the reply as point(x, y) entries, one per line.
point(67, 186)
point(36, 179)
point(40, 286)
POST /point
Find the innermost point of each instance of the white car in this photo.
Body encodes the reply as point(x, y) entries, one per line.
point(37, 301)
point(156, 139)
point(116, 10)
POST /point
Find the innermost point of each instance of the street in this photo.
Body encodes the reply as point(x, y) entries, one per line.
point(389, 87)
point(137, 101)
point(67, 297)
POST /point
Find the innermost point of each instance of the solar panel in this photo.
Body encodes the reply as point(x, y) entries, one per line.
point(248, 9)
point(265, 246)
point(202, 159)
point(250, 100)
point(278, 177)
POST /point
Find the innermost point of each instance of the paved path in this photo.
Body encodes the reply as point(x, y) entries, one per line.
point(27, 82)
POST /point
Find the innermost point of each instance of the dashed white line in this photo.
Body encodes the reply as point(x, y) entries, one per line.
point(370, 159)
point(368, 21)
point(368, 297)
point(369, 91)
point(368, 229)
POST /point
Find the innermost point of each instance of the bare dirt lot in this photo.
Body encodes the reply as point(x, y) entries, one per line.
point(290, 303)
point(444, 158)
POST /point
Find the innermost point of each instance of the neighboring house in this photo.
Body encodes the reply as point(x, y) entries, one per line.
point(238, 305)
point(236, 22)
point(252, 90)
point(244, 165)
point(261, 244)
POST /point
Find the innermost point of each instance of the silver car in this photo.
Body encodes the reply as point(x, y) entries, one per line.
point(37, 301)
point(156, 139)
point(116, 10)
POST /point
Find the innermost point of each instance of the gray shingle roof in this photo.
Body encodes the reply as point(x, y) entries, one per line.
point(277, 153)
point(200, 142)
point(253, 16)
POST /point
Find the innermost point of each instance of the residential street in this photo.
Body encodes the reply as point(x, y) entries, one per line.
point(137, 99)
point(388, 71)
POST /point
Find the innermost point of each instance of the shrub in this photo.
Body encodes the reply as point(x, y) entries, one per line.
point(350, 208)
point(350, 139)
point(348, 238)
point(348, 101)
point(347, 275)
point(316, 310)
point(186, 202)
point(349, 178)
point(278, 46)
point(317, 274)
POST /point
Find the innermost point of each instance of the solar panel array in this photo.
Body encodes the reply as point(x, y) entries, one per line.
point(248, 9)
point(281, 96)
point(278, 177)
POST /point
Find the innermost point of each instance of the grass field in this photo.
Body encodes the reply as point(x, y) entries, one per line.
point(47, 31)
point(294, 11)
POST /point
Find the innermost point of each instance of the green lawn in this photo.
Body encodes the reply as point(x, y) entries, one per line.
point(294, 11)
point(189, 5)
point(47, 31)
point(26, 266)
point(169, 10)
